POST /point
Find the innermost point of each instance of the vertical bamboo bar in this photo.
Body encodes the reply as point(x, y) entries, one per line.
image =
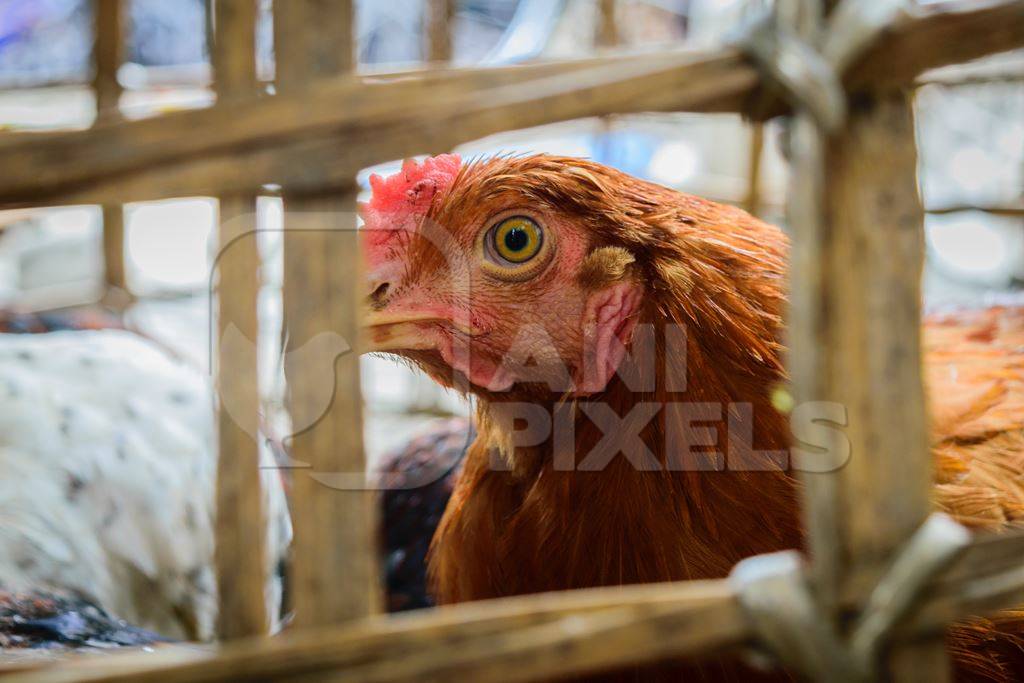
point(876, 257)
point(335, 563)
point(607, 24)
point(438, 16)
point(606, 35)
point(752, 202)
point(854, 338)
point(855, 320)
point(108, 54)
point(240, 527)
point(807, 323)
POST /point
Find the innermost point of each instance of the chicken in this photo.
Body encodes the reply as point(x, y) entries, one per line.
point(623, 342)
point(107, 449)
point(14, 322)
point(416, 483)
point(39, 621)
point(50, 612)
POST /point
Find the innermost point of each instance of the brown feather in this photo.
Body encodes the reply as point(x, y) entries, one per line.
point(535, 528)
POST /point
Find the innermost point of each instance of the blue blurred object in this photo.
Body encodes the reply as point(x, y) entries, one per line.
point(627, 150)
point(528, 31)
point(44, 40)
point(50, 40)
point(166, 33)
point(17, 16)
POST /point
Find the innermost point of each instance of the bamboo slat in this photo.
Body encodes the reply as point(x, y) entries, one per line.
point(304, 139)
point(240, 526)
point(670, 620)
point(693, 617)
point(752, 200)
point(439, 16)
point(874, 256)
point(335, 548)
point(607, 33)
point(174, 152)
point(108, 54)
point(877, 242)
point(950, 32)
point(854, 340)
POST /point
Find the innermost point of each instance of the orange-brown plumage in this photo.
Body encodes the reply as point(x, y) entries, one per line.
point(529, 518)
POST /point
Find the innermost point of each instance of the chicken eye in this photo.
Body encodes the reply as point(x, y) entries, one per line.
point(517, 239)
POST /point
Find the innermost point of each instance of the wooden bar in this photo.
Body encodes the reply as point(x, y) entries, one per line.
point(876, 245)
point(807, 325)
point(197, 152)
point(108, 55)
point(347, 111)
point(752, 201)
point(607, 33)
point(627, 624)
point(438, 18)
point(240, 524)
point(335, 575)
point(934, 35)
point(233, 51)
point(874, 256)
point(693, 617)
point(855, 340)
point(854, 327)
point(313, 39)
point(115, 273)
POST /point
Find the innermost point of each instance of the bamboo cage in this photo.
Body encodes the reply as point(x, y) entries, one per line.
point(853, 333)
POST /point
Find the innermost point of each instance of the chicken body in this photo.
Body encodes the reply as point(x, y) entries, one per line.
point(624, 344)
point(107, 450)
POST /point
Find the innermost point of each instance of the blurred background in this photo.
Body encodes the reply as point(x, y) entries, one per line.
point(970, 129)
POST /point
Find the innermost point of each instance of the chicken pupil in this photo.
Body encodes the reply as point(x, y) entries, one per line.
point(516, 239)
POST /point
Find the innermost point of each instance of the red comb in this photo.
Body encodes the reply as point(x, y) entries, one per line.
point(400, 200)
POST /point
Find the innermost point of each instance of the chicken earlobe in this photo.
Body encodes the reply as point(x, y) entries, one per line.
point(608, 322)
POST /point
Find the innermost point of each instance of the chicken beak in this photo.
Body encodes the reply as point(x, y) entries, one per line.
point(387, 331)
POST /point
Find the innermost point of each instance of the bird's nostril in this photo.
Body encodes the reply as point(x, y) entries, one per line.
point(379, 295)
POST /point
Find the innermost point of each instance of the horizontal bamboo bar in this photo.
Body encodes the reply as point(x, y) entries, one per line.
point(935, 35)
point(990, 555)
point(1009, 209)
point(214, 150)
point(693, 618)
point(321, 137)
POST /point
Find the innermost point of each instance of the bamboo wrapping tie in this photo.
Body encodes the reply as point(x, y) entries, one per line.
point(777, 597)
point(809, 76)
point(797, 69)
